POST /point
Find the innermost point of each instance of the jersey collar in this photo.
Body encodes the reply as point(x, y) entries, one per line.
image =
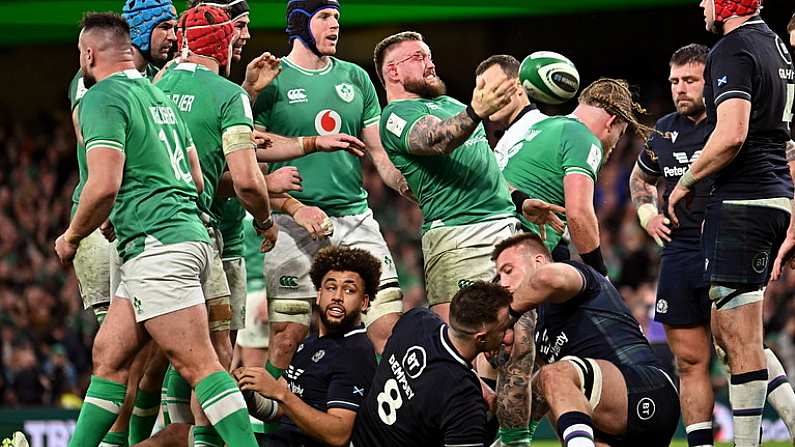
point(308, 71)
point(527, 108)
point(445, 339)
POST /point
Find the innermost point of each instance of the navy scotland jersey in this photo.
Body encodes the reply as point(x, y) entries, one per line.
point(596, 324)
point(333, 371)
point(669, 156)
point(424, 393)
point(753, 63)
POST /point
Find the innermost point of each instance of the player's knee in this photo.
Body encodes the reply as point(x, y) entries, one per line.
point(106, 364)
point(556, 376)
point(219, 314)
point(726, 296)
point(691, 363)
point(286, 339)
point(387, 301)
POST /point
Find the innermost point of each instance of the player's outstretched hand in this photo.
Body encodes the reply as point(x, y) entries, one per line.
point(657, 227)
point(542, 213)
point(259, 380)
point(489, 98)
point(340, 142)
point(679, 193)
point(268, 238)
point(786, 256)
point(108, 231)
point(261, 71)
point(314, 221)
point(284, 179)
point(64, 249)
point(261, 139)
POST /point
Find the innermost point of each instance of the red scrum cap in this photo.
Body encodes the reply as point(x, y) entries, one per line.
point(206, 31)
point(728, 8)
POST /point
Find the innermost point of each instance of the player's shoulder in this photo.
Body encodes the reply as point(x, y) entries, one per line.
point(742, 40)
point(668, 122)
point(572, 129)
point(356, 340)
point(350, 68)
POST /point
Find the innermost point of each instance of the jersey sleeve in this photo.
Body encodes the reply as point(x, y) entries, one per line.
point(732, 72)
point(590, 279)
point(397, 122)
point(580, 154)
point(647, 159)
point(464, 419)
point(77, 89)
point(372, 108)
point(264, 104)
point(103, 121)
point(236, 111)
point(351, 377)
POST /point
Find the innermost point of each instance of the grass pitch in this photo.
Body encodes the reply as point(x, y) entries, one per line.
point(676, 443)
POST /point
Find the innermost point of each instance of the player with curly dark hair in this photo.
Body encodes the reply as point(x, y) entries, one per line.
point(331, 372)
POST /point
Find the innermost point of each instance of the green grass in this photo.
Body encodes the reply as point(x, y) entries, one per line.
point(673, 444)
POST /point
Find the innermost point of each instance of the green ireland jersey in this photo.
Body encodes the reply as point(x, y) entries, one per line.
point(463, 187)
point(209, 104)
point(231, 226)
point(339, 98)
point(157, 198)
point(255, 259)
point(551, 149)
point(77, 89)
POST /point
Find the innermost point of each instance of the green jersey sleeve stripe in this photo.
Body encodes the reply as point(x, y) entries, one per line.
point(371, 121)
point(105, 143)
point(579, 170)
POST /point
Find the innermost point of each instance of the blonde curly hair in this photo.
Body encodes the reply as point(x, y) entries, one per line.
point(615, 97)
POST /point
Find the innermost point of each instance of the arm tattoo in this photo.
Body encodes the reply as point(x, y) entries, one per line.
point(539, 403)
point(790, 150)
point(432, 136)
point(513, 379)
point(642, 187)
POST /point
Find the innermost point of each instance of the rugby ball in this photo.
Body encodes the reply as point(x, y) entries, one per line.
point(549, 77)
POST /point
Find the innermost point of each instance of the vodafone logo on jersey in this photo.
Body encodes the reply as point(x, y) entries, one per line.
point(327, 122)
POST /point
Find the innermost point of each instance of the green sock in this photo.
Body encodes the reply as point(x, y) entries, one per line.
point(144, 415)
point(114, 439)
point(178, 397)
point(515, 436)
point(270, 427)
point(206, 437)
point(531, 428)
point(100, 408)
point(224, 406)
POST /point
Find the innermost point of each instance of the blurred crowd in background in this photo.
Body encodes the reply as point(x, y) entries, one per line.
point(45, 335)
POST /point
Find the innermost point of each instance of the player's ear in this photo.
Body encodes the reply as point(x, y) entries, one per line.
point(317, 299)
point(365, 302)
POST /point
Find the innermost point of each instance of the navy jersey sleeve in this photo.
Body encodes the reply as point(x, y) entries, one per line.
point(464, 419)
point(351, 376)
point(732, 72)
point(591, 279)
point(647, 160)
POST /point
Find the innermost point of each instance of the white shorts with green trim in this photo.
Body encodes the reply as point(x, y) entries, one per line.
point(165, 278)
point(255, 334)
point(287, 265)
point(235, 269)
point(456, 256)
point(92, 269)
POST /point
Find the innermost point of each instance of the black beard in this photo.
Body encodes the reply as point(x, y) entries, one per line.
point(340, 327)
point(426, 89)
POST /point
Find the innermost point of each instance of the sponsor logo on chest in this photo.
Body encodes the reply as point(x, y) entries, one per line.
point(297, 95)
point(551, 349)
point(682, 159)
point(328, 121)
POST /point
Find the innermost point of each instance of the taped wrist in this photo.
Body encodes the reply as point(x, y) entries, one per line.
point(236, 138)
point(308, 144)
point(645, 213)
point(687, 180)
point(518, 198)
point(594, 259)
point(291, 206)
point(260, 406)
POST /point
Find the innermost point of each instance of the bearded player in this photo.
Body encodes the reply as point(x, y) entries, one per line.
point(318, 94)
point(440, 146)
point(748, 90)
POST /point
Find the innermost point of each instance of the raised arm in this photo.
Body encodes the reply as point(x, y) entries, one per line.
point(555, 282)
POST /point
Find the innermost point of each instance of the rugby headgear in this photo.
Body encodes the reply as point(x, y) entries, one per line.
point(299, 14)
point(235, 8)
point(729, 8)
point(207, 31)
point(143, 17)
